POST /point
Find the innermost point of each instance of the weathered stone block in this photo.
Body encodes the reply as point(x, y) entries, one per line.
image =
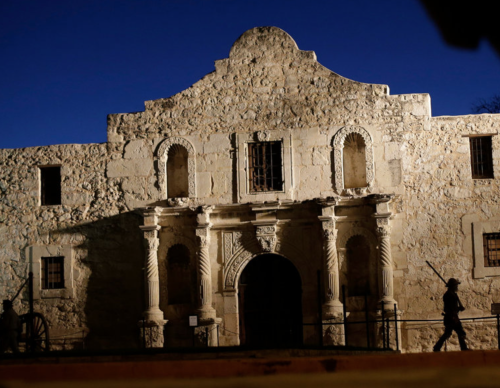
point(130, 167)
point(137, 149)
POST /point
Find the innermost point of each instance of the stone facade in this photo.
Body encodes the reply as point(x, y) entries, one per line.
point(370, 187)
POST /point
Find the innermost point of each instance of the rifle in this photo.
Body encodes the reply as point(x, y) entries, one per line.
point(18, 292)
point(437, 273)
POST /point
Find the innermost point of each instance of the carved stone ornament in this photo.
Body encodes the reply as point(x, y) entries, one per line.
point(267, 242)
point(266, 236)
point(178, 202)
point(263, 135)
point(162, 156)
point(338, 145)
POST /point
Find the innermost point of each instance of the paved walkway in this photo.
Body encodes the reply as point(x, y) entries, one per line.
point(450, 369)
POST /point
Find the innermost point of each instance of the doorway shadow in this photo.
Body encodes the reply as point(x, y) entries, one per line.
point(270, 303)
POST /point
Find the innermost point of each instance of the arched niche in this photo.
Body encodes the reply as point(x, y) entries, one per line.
point(179, 275)
point(177, 172)
point(353, 155)
point(177, 148)
point(348, 239)
point(359, 266)
point(354, 161)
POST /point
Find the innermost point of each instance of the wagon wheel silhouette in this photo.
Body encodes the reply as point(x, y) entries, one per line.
point(39, 339)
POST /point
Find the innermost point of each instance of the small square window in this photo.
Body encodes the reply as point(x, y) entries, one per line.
point(50, 185)
point(491, 248)
point(265, 166)
point(52, 272)
point(481, 157)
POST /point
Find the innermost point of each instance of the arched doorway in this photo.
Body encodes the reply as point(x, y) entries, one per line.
point(270, 303)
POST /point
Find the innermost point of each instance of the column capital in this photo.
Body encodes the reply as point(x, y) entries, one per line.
point(383, 222)
point(383, 230)
point(328, 224)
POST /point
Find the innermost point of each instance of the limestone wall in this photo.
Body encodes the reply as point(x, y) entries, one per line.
point(266, 84)
point(106, 258)
point(440, 203)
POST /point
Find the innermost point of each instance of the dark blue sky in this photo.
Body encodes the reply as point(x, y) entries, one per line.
point(65, 64)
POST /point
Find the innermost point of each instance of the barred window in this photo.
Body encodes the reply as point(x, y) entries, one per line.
point(264, 166)
point(50, 185)
point(481, 157)
point(52, 272)
point(491, 247)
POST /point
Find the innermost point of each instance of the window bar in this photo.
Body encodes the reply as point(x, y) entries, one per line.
point(272, 166)
point(480, 158)
point(253, 182)
point(477, 144)
point(476, 157)
point(262, 171)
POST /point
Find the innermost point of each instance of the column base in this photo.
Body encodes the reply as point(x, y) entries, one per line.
point(207, 333)
point(333, 330)
point(153, 315)
point(206, 314)
point(387, 329)
point(332, 309)
point(388, 303)
point(151, 333)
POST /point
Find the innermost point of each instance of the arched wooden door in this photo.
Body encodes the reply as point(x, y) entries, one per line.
point(270, 303)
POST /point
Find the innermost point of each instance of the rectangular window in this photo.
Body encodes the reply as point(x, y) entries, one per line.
point(264, 166)
point(491, 247)
point(481, 157)
point(52, 272)
point(50, 185)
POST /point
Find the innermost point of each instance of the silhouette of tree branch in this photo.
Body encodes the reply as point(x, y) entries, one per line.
point(491, 105)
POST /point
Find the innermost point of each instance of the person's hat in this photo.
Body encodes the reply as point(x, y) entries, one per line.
point(7, 302)
point(452, 282)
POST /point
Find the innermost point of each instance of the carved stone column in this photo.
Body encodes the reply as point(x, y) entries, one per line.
point(207, 314)
point(332, 306)
point(153, 319)
point(384, 239)
point(204, 273)
point(333, 329)
point(152, 280)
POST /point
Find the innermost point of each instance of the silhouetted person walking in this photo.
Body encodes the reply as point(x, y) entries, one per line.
point(9, 326)
point(452, 306)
